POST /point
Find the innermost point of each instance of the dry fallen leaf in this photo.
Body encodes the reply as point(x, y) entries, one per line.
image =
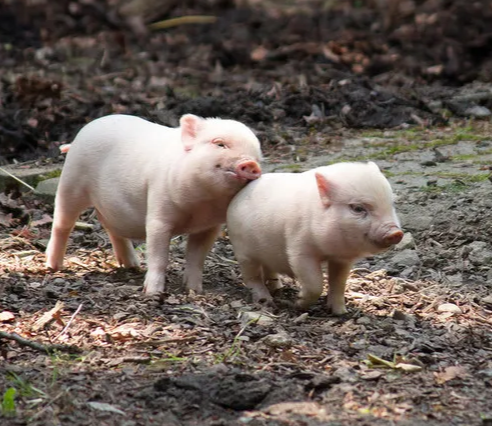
point(450, 373)
point(6, 316)
point(408, 368)
point(372, 375)
point(124, 332)
point(43, 221)
point(6, 219)
point(47, 318)
point(449, 308)
point(398, 364)
point(103, 406)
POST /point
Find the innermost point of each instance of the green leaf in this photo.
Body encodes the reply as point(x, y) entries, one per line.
point(8, 402)
point(376, 361)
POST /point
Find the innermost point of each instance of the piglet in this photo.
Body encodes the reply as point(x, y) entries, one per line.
point(289, 223)
point(152, 182)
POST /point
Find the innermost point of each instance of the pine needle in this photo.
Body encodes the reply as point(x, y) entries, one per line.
point(18, 180)
point(174, 22)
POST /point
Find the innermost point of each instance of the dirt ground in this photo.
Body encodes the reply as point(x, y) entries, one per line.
point(407, 86)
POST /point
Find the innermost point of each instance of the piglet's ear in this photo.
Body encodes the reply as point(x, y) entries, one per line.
point(374, 165)
point(190, 127)
point(324, 188)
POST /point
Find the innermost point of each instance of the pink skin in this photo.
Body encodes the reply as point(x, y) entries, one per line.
point(292, 224)
point(247, 170)
point(152, 182)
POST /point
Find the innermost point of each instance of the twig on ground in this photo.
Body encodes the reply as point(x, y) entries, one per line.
point(50, 402)
point(69, 322)
point(39, 346)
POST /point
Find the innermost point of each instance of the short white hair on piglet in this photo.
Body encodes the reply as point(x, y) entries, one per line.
point(196, 129)
point(148, 181)
point(363, 181)
point(292, 223)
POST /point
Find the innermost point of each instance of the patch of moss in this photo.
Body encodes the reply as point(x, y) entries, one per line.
point(462, 157)
point(388, 173)
point(397, 149)
point(411, 134)
point(464, 177)
point(47, 175)
point(454, 187)
point(395, 142)
point(373, 134)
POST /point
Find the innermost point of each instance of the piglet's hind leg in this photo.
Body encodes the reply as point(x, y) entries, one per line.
point(271, 280)
point(251, 272)
point(67, 210)
point(124, 251)
point(122, 247)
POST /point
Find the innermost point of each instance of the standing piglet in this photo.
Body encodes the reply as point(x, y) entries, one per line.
point(290, 223)
point(153, 182)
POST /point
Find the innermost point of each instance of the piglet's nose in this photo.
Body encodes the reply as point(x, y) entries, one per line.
point(393, 237)
point(249, 169)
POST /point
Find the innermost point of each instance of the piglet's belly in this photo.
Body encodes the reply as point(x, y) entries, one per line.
point(277, 263)
point(126, 225)
point(132, 224)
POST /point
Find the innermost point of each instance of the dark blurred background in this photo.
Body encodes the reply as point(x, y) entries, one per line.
point(272, 64)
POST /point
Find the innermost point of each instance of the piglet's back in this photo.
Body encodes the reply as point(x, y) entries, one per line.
point(271, 202)
point(111, 143)
point(274, 191)
point(121, 133)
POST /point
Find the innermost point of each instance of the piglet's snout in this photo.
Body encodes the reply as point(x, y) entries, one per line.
point(248, 169)
point(394, 236)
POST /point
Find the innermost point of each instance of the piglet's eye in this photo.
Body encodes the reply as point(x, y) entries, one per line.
point(358, 209)
point(220, 143)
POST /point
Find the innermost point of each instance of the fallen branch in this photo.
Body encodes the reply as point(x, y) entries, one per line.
point(49, 349)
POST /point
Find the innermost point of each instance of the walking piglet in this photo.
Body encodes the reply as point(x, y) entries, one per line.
point(291, 223)
point(153, 182)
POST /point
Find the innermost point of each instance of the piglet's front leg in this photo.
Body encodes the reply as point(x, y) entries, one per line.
point(338, 274)
point(198, 246)
point(157, 241)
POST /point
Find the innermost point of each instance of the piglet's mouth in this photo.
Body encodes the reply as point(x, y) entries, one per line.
point(380, 245)
point(245, 171)
point(392, 238)
point(236, 176)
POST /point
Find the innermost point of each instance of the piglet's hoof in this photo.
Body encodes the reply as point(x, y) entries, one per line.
point(338, 312)
point(262, 297)
point(194, 290)
point(155, 296)
point(266, 303)
point(193, 293)
point(286, 304)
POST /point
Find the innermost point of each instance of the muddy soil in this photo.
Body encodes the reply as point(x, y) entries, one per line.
point(318, 86)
